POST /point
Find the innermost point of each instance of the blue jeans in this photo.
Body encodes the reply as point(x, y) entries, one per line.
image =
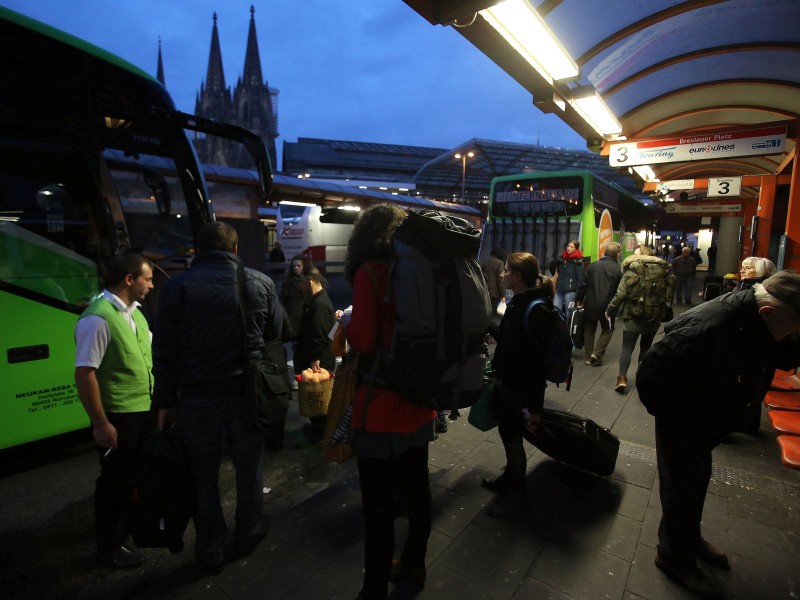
point(205, 424)
point(562, 300)
point(685, 284)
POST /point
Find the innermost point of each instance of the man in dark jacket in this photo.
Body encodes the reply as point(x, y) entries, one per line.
point(314, 347)
point(729, 349)
point(200, 347)
point(684, 267)
point(599, 284)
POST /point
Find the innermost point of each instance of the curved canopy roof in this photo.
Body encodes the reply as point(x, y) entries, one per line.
point(662, 67)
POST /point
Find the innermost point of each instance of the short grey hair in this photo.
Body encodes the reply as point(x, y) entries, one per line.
point(764, 298)
point(612, 250)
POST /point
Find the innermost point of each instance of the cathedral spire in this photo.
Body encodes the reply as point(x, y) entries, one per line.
point(215, 77)
point(252, 61)
point(160, 72)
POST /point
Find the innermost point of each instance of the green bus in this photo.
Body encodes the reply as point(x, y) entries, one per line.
point(94, 161)
point(541, 212)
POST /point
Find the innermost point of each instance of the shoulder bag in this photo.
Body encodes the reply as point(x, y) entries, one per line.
point(265, 391)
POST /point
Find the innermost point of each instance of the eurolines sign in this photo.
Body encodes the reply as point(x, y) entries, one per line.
point(702, 146)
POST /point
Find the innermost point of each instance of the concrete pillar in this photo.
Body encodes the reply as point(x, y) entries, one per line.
point(728, 245)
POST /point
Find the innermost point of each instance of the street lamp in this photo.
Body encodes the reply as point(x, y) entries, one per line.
point(464, 158)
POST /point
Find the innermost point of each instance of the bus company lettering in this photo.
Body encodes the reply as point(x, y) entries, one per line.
point(711, 149)
point(538, 195)
point(293, 231)
point(47, 398)
point(660, 153)
point(57, 388)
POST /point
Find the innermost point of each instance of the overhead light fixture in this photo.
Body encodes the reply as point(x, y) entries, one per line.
point(522, 27)
point(589, 105)
point(646, 173)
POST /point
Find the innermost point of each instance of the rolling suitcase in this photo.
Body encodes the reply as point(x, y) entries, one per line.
point(576, 327)
point(163, 494)
point(712, 286)
point(576, 441)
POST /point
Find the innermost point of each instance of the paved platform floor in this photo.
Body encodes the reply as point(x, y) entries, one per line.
point(586, 537)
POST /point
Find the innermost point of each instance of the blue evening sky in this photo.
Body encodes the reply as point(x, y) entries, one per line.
point(361, 70)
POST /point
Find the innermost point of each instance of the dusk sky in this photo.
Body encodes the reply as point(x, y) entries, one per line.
point(360, 70)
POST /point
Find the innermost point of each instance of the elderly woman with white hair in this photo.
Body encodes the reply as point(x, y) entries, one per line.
point(754, 270)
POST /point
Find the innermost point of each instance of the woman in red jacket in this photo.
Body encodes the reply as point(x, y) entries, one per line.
point(392, 442)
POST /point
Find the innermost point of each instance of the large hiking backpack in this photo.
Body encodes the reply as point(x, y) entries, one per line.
point(559, 342)
point(438, 353)
point(650, 291)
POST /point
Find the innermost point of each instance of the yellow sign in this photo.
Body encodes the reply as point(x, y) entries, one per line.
point(605, 233)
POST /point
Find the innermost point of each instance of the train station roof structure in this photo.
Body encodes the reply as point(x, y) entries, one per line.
point(661, 69)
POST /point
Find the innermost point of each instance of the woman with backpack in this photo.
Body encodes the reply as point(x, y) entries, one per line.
point(392, 440)
point(520, 368)
point(569, 275)
point(626, 304)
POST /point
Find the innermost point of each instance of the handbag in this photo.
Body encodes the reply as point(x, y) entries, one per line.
point(668, 314)
point(481, 414)
point(265, 391)
point(314, 396)
point(337, 442)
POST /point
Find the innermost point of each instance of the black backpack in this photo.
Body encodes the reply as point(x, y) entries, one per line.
point(559, 342)
point(438, 352)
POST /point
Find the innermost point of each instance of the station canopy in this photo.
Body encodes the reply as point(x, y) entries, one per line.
point(664, 69)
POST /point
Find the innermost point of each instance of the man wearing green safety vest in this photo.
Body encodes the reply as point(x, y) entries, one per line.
point(113, 373)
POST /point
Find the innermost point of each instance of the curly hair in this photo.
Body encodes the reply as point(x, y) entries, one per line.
point(372, 236)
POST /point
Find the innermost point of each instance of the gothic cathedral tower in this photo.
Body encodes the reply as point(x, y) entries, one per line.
point(253, 105)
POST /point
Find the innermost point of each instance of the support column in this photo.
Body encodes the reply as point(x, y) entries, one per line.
point(766, 204)
point(792, 227)
point(728, 248)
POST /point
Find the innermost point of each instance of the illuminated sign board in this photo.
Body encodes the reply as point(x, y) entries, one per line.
point(700, 146)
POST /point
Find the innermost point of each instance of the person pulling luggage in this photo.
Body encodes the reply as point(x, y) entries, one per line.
point(520, 368)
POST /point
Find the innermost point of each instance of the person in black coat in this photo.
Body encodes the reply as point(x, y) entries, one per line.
point(599, 285)
point(314, 349)
point(520, 366)
point(702, 381)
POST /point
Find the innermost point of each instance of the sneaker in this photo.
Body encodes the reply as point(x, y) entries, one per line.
point(401, 572)
point(713, 556)
point(588, 360)
point(622, 384)
point(509, 504)
point(596, 361)
point(441, 423)
point(690, 578)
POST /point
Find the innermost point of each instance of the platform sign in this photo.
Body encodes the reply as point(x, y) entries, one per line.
point(675, 184)
point(703, 208)
point(701, 146)
point(729, 187)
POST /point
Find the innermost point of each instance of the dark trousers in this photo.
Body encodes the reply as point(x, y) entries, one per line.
point(684, 471)
point(628, 344)
point(206, 424)
point(113, 489)
point(381, 480)
point(510, 426)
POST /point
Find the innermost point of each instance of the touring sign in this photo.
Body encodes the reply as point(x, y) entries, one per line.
point(700, 146)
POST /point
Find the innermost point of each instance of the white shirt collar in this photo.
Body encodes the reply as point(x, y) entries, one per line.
point(119, 304)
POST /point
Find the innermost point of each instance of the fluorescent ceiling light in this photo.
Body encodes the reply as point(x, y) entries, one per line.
point(522, 27)
point(589, 105)
point(646, 173)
